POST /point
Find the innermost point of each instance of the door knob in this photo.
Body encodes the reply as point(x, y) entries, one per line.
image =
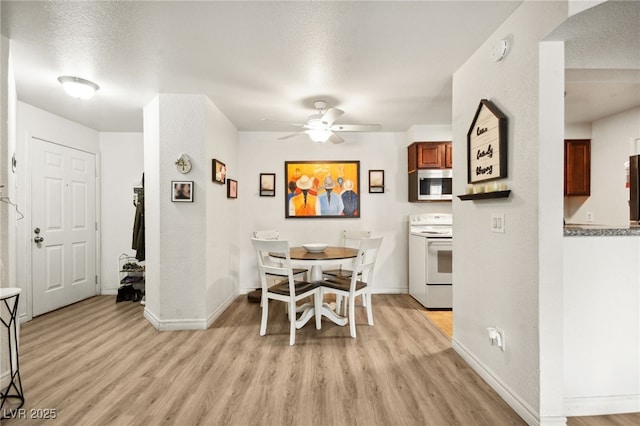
point(38, 239)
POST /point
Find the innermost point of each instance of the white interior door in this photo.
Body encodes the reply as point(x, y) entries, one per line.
point(63, 238)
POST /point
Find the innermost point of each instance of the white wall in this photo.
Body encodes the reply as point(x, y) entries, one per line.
point(5, 266)
point(8, 214)
point(175, 273)
point(611, 147)
point(4, 145)
point(121, 168)
point(223, 214)
point(602, 352)
point(577, 131)
point(496, 278)
point(192, 264)
point(384, 214)
point(35, 122)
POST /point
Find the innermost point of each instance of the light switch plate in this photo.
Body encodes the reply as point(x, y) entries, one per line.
point(497, 222)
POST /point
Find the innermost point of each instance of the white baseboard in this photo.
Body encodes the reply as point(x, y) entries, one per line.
point(174, 325)
point(389, 290)
point(221, 309)
point(373, 290)
point(188, 324)
point(601, 405)
point(520, 406)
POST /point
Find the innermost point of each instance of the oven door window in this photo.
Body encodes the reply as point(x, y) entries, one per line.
point(439, 261)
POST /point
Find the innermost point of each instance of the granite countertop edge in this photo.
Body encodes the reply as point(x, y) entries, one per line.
point(600, 231)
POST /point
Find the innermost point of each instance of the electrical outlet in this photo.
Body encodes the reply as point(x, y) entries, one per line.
point(589, 216)
point(501, 341)
point(496, 337)
point(497, 222)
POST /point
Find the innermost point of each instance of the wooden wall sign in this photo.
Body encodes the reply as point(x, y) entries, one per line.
point(487, 144)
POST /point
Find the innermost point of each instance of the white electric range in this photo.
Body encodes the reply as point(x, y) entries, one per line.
point(431, 259)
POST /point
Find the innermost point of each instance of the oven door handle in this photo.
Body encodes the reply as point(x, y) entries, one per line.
point(439, 243)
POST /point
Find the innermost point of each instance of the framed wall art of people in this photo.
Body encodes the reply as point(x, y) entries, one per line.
point(322, 189)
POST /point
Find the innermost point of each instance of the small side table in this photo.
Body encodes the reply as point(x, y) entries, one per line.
point(9, 297)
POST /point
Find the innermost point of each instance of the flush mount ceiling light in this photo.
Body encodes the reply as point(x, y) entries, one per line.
point(78, 87)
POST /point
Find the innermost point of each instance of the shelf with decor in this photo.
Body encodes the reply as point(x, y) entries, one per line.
point(485, 195)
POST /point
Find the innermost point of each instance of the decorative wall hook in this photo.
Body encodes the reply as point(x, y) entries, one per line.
point(183, 164)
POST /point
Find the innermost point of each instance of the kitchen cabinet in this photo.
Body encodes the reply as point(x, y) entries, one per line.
point(577, 167)
point(429, 155)
point(448, 155)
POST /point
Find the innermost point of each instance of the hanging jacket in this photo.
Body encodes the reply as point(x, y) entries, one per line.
point(138, 229)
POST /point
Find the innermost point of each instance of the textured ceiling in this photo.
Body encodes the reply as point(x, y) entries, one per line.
point(384, 62)
point(602, 61)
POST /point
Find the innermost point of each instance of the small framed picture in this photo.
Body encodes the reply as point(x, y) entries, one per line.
point(219, 171)
point(232, 188)
point(376, 181)
point(182, 191)
point(267, 184)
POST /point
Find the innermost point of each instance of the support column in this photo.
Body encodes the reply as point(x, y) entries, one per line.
point(175, 232)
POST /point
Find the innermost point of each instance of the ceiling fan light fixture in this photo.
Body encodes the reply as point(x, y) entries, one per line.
point(319, 135)
point(78, 87)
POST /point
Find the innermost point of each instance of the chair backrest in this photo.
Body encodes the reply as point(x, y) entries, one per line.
point(351, 238)
point(366, 260)
point(265, 266)
point(268, 234)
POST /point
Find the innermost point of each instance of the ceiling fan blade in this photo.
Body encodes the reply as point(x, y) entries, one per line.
point(355, 127)
point(292, 135)
point(335, 138)
point(283, 122)
point(331, 115)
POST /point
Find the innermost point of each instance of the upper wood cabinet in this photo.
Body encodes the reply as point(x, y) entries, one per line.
point(577, 167)
point(429, 155)
point(448, 155)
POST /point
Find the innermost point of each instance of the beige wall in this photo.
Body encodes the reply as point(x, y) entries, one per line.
point(498, 277)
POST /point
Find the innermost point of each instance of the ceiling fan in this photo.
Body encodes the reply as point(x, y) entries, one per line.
point(320, 127)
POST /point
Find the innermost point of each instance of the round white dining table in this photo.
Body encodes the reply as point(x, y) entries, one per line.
point(300, 257)
point(330, 256)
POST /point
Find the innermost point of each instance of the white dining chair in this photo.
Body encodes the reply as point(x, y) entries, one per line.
point(359, 283)
point(288, 290)
point(273, 234)
point(351, 239)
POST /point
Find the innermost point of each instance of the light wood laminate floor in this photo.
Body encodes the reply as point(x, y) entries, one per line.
point(101, 363)
point(443, 320)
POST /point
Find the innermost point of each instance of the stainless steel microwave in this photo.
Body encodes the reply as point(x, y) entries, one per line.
point(431, 185)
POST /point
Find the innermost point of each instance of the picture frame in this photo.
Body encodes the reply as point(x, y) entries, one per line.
point(219, 171)
point(267, 184)
point(182, 191)
point(232, 188)
point(322, 189)
point(376, 181)
point(487, 144)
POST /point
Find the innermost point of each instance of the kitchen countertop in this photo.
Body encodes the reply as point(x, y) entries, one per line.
point(590, 230)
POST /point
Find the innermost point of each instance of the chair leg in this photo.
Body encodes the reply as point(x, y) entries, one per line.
point(338, 303)
point(292, 322)
point(265, 313)
point(352, 316)
point(364, 300)
point(367, 296)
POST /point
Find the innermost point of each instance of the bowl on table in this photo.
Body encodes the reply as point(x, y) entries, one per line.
point(315, 247)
